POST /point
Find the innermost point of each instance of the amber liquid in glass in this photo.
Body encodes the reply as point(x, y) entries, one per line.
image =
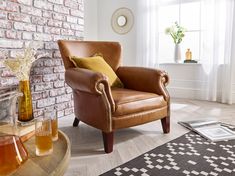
point(25, 106)
point(43, 143)
point(12, 154)
point(54, 126)
point(43, 137)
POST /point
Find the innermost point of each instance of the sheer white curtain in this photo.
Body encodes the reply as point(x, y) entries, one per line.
point(217, 53)
point(217, 49)
point(147, 33)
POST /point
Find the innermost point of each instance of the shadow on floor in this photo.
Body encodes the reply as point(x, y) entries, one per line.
point(88, 141)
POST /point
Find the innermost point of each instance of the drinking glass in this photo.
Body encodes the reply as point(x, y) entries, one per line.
point(43, 136)
point(54, 125)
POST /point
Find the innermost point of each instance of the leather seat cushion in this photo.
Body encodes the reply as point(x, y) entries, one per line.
point(130, 101)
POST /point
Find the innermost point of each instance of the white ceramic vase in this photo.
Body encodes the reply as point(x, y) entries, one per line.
point(177, 54)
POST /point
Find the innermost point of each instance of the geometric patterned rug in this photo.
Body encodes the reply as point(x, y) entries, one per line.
point(188, 155)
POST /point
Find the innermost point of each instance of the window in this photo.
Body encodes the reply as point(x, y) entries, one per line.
point(187, 14)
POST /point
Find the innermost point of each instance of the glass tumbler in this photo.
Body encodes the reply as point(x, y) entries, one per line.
point(54, 125)
point(43, 136)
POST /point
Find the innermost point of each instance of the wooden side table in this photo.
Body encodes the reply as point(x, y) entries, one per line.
point(53, 165)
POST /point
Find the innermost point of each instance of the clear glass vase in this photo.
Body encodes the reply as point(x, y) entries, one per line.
point(8, 98)
point(25, 106)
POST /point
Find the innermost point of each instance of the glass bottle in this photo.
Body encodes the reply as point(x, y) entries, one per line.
point(188, 54)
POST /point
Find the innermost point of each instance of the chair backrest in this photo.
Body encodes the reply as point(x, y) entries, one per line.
point(111, 51)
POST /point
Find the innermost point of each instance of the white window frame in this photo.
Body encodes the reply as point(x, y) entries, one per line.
point(179, 3)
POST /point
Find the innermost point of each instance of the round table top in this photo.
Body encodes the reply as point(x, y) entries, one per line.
point(53, 164)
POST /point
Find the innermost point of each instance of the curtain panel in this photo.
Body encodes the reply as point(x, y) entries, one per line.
point(217, 38)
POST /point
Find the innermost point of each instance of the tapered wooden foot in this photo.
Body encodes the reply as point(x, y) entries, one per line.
point(108, 142)
point(166, 124)
point(76, 122)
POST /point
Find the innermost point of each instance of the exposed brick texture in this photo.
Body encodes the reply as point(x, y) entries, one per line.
point(23, 21)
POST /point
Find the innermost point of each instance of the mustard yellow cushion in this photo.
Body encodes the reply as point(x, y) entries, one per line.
point(98, 64)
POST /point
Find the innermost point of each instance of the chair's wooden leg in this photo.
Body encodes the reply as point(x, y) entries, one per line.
point(166, 124)
point(76, 122)
point(108, 141)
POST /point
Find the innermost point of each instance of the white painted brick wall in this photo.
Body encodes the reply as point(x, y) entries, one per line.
point(21, 22)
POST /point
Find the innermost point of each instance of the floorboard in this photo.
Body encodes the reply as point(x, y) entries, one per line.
point(89, 159)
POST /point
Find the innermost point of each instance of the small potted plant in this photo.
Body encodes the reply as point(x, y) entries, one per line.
point(177, 33)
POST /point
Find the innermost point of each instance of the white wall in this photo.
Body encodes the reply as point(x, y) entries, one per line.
point(90, 20)
point(105, 33)
point(97, 19)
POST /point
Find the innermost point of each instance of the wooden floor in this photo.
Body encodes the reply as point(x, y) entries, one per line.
point(89, 159)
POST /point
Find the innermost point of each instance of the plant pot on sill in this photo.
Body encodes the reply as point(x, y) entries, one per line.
point(177, 54)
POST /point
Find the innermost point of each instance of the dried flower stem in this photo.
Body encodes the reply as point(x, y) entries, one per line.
point(21, 65)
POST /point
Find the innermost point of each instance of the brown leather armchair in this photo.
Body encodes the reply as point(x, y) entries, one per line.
point(143, 99)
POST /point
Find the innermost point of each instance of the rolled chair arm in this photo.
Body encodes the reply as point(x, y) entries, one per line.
point(89, 81)
point(145, 79)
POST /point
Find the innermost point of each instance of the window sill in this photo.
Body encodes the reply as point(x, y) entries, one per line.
point(189, 64)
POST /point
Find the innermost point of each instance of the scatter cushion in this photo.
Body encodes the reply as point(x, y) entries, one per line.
point(98, 64)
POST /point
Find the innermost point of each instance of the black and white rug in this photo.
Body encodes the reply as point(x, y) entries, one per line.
point(188, 155)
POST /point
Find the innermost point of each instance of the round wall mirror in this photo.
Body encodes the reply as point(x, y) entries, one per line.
point(122, 20)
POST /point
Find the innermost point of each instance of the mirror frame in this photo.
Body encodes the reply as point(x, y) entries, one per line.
point(126, 26)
